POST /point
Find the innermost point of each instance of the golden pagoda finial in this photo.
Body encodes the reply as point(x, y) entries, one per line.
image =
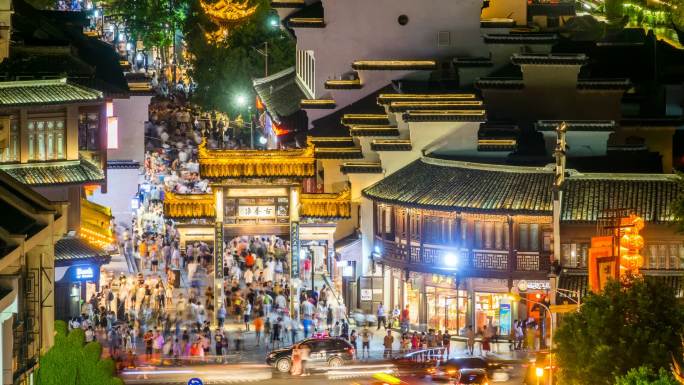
point(225, 14)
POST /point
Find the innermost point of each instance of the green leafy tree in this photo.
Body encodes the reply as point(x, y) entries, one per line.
point(224, 69)
point(618, 330)
point(643, 375)
point(154, 22)
point(71, 361)
point(614, 10)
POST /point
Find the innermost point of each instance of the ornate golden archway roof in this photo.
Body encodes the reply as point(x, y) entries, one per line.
point(216, 164)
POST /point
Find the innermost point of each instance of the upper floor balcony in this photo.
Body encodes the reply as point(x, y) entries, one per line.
point(464, 262)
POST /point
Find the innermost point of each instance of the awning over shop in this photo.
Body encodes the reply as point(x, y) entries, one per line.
point(73, 250)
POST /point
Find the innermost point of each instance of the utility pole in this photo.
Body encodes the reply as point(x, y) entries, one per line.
point(264, 53)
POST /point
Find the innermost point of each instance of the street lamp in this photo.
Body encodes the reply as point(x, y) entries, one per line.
point(241, 100)
point(540, 373)
point(450, 260)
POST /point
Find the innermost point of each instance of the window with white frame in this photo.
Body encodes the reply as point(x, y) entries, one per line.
point(46, 139)
point(10, 152)
point(306, 70)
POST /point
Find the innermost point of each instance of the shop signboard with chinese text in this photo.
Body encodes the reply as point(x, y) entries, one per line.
point(603, 263)
point(256, 211)
point(294, 249)
point(218, 250)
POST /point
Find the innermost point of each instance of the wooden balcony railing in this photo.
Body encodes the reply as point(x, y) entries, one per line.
point(473, 259)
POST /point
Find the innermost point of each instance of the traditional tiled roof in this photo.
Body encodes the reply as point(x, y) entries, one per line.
point(497, 23)
point(576, 125)
point(354, 119)
point(339, 153)
point(287, 3)
point(374, 130)
point(401, 106)
point(520, 38)
point(361, 168)
point(343, 84)
point(389, 65)
point(308, 16)
point(497, 137)
point(49, 173)
point(75, 249)
point(445, 116)
point(450, 185)
point(391, 145)
point(585, 196)
point(500, 83)
point(181, 206)
point(465, 62)
point(389, 98)
point(123, 164)
point(317, 104)
point(363, 111)
point(217, 164)
point(550, 59)
point(331, 141)
point(139, 84)
point(326, 206)
point(604, 84)
point(279, 93)
point(306, 22)
point(43, 92)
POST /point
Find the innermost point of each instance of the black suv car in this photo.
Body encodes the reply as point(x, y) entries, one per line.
point(331, 352)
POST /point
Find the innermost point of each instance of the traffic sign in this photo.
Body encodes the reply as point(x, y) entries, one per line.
point(195, 381)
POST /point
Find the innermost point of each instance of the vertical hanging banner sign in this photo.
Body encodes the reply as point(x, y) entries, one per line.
point(294, 250)
point(218, 250)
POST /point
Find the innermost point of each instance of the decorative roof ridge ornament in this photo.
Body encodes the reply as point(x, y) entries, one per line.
point(485, 166)
point(218, 154)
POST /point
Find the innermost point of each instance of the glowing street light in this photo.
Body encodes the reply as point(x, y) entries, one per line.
point(451, 260)
point(241, 100)
point(540, 373)
point(263, 140)
point(273, 21)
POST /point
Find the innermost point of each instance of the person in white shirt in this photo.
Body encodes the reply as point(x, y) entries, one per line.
point(249, 277)
point(247, 315)
point(89, 334)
